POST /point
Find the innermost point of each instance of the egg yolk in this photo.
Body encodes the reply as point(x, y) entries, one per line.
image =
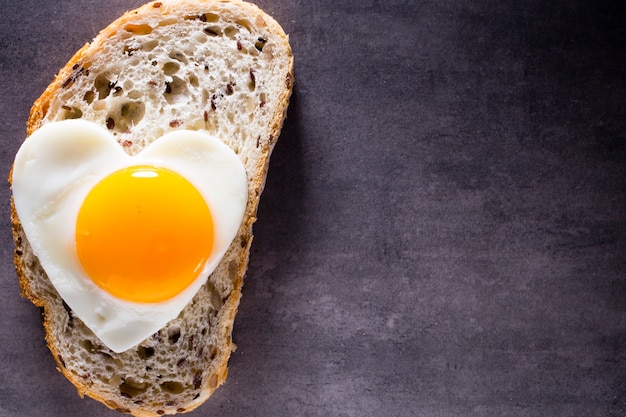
point(144, 233)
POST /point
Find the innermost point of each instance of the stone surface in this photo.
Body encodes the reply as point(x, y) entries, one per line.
point(443, 231)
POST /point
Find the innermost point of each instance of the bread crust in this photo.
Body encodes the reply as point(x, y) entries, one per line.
point(39, 110)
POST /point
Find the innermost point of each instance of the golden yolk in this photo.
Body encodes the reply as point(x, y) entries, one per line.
point(144, 234)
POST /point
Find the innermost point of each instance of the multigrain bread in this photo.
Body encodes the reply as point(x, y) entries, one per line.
point(222, 66)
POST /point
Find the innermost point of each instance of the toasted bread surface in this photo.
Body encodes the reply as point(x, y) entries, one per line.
point(222, 66)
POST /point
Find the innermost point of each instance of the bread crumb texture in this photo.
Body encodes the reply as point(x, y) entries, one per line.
point(214, 71)
point(224, 67)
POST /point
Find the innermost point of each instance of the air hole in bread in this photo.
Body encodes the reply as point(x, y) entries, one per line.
point(71, 113)
point(150, 45)
point(173, 334)
point(103, 85)
point(129, 50)
point(168, 21)
point(145, 352)
point(171, 68)
point(125, 115)
point(231, 32)
point(134, 94)
point(213, 30)
point(260, 43)
point(175, 89)
point(131, 388)
point(89, 96)
point(193, 80)
point(179, 56)
point(213, 352)
point(244, 24)
point(172, 387)
point(210, 17)
point(138, 29)
point(197, 379)
point(116, 381)
point(87, 345)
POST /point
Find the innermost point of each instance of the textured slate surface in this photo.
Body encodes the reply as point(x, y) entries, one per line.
point(443, 231)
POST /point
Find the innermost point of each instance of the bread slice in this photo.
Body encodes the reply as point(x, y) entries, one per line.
point(223, 66)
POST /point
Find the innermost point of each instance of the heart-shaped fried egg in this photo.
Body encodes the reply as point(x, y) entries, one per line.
point(127, 241)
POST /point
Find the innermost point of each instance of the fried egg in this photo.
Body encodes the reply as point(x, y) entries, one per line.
point(127, 241)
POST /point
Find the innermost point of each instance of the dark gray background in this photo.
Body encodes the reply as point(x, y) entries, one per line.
point(443, 231)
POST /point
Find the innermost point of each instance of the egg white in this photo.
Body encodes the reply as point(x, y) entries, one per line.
point(61, 162)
